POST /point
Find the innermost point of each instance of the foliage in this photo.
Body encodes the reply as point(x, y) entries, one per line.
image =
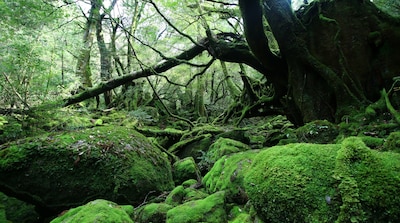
point(26, 61)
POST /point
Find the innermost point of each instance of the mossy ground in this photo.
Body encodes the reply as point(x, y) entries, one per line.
point(318, 183)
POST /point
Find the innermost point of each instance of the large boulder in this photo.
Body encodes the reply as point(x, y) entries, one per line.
point(345, 182)
point(59, 171)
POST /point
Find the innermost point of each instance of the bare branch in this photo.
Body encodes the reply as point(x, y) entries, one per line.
point(172, 25)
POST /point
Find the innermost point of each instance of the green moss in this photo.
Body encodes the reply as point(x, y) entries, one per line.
point(362, 172)
point(392, 142)
point(320, 131)
point(218, 149)
point(209, 209)
point(224, 146)
point(373, 142)
point(154, 212)
point(17, 211)
point(346, 182)
point(175, 197)
point(227, 174)
point(192, 194)
point(353, 150)
point(185, 169)
point(95, 211)
point(242, 218)
point(182, 194)
point(294, 177)
point(110, 162)
point(189, 183)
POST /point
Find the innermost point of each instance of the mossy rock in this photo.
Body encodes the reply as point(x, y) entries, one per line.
point(319, 131)
point(185, 169)
point(221, 147)
point(242, 218)
point(182, 194)
point(392, 142)
point(176, 196)
point(228, 173)
point(99, 211)
point(17, 211)
point(210, 209)
point(345, 182)
point(59, 171)
point(154, 212)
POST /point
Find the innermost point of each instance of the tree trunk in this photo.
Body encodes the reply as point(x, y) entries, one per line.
point(333, 50)
point(105, 55)
point(83, 70)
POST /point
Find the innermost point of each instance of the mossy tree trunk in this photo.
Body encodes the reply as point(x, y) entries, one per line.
point(337, 53)
point(83, 70)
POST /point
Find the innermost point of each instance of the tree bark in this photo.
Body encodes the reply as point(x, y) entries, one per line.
point(327, 52)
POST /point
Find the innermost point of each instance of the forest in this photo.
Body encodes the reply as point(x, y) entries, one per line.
point(243, 111)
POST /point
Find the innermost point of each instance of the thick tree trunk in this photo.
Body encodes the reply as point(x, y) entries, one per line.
point(328, 51)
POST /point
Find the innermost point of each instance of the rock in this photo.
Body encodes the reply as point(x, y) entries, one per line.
point(17, 211)
point(185, 169)
point(319, 131)
point(345, 182)
point(154, 212)
point(99, 211)
point(210, 209)
point(182, 194)
point(221, 147)
point(228, 173)
point(59, 171)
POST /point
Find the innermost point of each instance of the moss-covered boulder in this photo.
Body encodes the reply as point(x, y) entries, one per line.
point(182, 194)
point(345, 182)
point(221, 147)
point(99, 211)
point(319, 131)
point(153, 212)
point(210, 209)
point(59, 171)
point(228, 173)
point(185, 169)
